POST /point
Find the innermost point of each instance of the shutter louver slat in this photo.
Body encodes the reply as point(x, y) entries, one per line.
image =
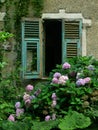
point(71, 50)
point(71, 29)
point(31, 29)
point(31, 45)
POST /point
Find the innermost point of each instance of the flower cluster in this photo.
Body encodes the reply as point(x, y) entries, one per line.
point(19, 112)
point(11, 117)
point(29, 87)
point(66, 65)
point(54, 103)
point(27, 98)
point(48, 117)
point(70, 88)
point(54, 100)
point(59, 79)
point(82, 81)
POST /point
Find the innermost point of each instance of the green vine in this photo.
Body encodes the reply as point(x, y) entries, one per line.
point(38, 7)
point(15, 10)
point(21, 9)
point(7, 19)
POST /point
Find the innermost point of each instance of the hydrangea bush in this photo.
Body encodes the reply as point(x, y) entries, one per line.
point(72, 86)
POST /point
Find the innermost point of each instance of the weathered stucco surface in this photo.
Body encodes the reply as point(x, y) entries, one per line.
point(89, 10)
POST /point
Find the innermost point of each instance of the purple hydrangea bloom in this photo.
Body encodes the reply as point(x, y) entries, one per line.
point(63, 79)
point(28, 102)
point(11, 118)
point(87, 80)
point(66, 65)
point(80, 82)
point(17, 105)
point(54, 97)
point(62, 82)
point(29, 87)
point(55, 80)
point(47, 118)
point(19, 112)
point(56, 75)
point(54, 102)
point(26, 96)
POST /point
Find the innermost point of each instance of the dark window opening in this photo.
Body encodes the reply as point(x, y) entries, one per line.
point(53, 44)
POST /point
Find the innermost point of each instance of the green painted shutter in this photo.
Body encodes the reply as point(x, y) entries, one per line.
point(30, 49)
point(72, 33)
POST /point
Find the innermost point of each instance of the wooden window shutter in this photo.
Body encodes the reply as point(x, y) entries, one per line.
point(30, 49)
point(72, 38)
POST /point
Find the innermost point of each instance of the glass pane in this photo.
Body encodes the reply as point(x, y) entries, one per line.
point(31, 57)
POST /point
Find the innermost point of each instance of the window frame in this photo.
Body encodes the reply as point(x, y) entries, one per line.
point(40, 41)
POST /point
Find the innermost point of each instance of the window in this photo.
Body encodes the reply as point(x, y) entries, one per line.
point(47, 42)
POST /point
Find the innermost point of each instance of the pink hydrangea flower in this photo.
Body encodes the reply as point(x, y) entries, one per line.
point(29, 87)
point(17, 105)
point(28, 102)
point(56, 75)
point(66, 65)
point(11, 118)
point(26, 96)
point(62, 82)
point(55, 80)
point(19, 111)
point(47, 118)
point(87, 80)
point(54, 102)
point(63, 79)
point(54, 97)
point(80, 82)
